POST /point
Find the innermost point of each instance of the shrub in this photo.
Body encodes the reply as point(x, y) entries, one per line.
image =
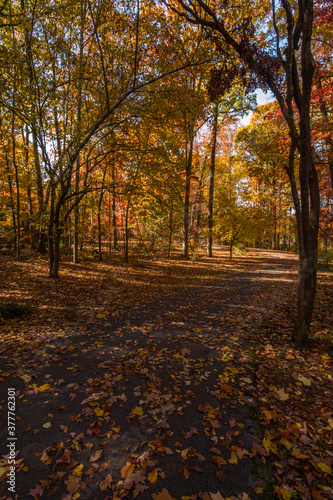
point(13, 309)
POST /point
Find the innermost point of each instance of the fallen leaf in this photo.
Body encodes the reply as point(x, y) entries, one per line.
point(127, 470)
point(304, 380)
point(282, 395)
point(325, 468)
point(77, 472)
point(95, 456)
point(37, 491)
point(106, 483)
point(138, 410)
point(152, 476)
point(44, 388)
point(162, 495)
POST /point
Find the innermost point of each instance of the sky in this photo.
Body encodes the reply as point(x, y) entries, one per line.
point(261, 99)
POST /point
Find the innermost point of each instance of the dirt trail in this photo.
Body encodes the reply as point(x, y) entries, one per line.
point(163, 397)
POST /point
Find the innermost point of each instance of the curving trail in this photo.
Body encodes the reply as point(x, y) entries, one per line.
point(160, 403)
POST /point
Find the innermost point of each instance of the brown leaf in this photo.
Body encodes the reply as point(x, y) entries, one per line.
point(106, 483)
point(221, 476)
point(163, 495)
point(95, 456)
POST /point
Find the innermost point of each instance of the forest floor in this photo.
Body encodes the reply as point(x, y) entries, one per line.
point(165, 379)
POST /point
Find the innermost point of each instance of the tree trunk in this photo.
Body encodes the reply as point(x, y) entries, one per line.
point(328, 139)
point(126, 232)
point(187, 198)
point(18, 210)
point(170, 227)
point(114, 208)
point(99, 218)
point(310, 195)
point(77, 172)
point(308, 243)
point(12, 206)
point(54, 269)
point(40, 196)
point(211, 186)
point(76, 215)
point(198, 222)
point(51, 231)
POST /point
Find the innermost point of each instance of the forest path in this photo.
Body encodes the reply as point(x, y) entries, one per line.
point(162, 398)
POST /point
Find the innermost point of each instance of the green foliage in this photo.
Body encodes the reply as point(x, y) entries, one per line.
point(13, 309)
point(325, 256)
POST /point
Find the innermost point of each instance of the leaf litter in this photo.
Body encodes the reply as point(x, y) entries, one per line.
point(180, 384)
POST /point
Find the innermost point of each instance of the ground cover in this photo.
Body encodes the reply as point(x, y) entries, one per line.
point(166, 379)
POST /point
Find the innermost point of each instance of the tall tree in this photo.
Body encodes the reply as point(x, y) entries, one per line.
point(211, 183)
point(288, 72)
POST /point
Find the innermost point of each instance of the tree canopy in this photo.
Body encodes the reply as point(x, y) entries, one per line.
point(121, 129)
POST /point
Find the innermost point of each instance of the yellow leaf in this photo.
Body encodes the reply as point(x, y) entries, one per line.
point(269, 446)
point(26, 377)
point(127, 470)
point(282, 395)
point(152, 476)
point(44, 458)
point(78, 471)
point(233, 459)
point(232, 369)
point(286, 443)
point(304, 380)
point(298, 454)
point(137, 410)
point(282, 493)
point(77, 495)
point(44, 387)
point(325, 468)
point(269, 415)
point(47, 425)
point(99, 412)
point(3, 472)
